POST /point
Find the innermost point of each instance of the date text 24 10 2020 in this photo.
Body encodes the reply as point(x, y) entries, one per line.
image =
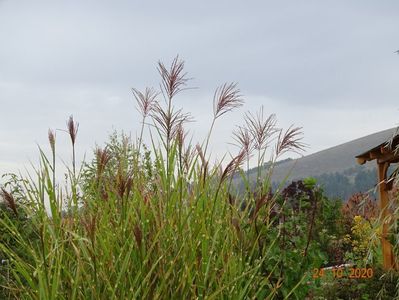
point(341, 272)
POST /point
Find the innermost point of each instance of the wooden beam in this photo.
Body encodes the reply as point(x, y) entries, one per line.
point(385, 149)
point(361, 160)
point(388, 157)
point(375, 154)
point(387, 252)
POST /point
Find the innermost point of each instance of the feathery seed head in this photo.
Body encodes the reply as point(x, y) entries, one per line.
point(290, 140)
point(226, 98)
point(244, 139)
point(103, 156)
point(173, 79)
point(72, 129)
point(146, 100)
point(233, 165)
point(261, 129)
point(51, 139)
point(169, 122)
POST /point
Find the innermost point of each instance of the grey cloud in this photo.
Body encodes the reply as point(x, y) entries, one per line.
point(299, 58)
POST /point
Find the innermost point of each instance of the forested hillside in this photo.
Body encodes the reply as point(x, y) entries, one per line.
point(351, 181)
point(335, 169)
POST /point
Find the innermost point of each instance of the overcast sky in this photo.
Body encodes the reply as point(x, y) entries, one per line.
point(328, 66)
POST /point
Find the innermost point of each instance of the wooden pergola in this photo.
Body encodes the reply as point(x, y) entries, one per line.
point(385, 154)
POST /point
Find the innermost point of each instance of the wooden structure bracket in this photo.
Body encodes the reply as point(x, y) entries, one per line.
point(385, 155)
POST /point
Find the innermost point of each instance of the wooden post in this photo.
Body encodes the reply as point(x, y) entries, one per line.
point(387, 252)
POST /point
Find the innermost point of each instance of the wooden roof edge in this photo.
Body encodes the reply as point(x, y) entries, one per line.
point(361, 160)
point(383, 148)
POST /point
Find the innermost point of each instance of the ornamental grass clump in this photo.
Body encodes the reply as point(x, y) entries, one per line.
point(151, 223)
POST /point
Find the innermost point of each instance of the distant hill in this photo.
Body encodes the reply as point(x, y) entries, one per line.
point(335, 168)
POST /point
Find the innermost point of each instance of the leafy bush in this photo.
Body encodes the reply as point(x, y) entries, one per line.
point(359, 204)
point(361, 241)
point(309, 223)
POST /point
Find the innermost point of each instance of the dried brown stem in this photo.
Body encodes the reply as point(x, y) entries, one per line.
point(9, 200)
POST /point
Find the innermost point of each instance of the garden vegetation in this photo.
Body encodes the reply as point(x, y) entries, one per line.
point(159, 221)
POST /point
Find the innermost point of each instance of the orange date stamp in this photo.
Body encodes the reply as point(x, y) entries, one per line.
point(342, 272)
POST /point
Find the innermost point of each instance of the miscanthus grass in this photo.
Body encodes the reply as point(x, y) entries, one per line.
point(157, 223)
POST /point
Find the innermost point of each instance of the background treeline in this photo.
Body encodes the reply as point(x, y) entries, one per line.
point(340, 185)
point(353, 180)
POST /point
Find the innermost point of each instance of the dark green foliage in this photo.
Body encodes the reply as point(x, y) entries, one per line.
point(335, 185)
point(306, 223)
point(343, 185)
point(383, 285)
point(366, 180)
point(354, 180)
